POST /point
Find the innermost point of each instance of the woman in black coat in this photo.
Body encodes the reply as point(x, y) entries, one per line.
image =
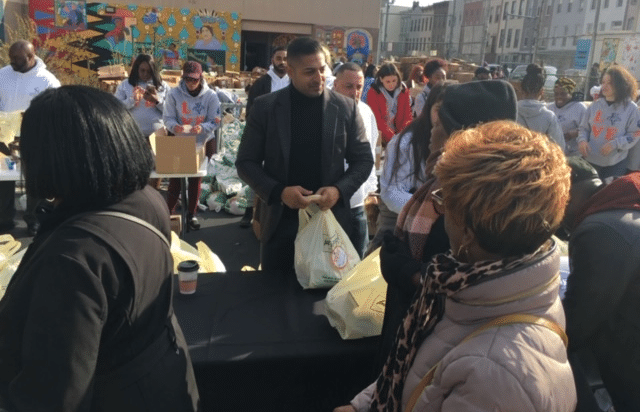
point(87, 323)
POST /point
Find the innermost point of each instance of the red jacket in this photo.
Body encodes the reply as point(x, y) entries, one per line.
point(377, 102)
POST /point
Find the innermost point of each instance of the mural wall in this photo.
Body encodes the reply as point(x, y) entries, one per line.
point(354, 44)
point(93, 35)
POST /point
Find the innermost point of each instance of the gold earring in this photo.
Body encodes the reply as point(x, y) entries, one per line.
point(459, 257)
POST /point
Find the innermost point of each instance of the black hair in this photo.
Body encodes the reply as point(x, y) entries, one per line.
point(434, 65)
point(385, 70)
point(370, 71)
point(349, 66)
point(304, 46)
point(81, 145)
point(533, 81)
point(133, 74)
point(277, 49)
point(421, 129)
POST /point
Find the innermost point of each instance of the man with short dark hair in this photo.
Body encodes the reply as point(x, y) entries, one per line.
point(349, 82)
point(275, 79)
point(295, 144)
point(482, 73)
point(20, 82)
point(602, 300)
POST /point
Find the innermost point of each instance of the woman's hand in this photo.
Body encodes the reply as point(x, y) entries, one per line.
point(345, 408)
point(138, 93)
point(197, 129)
point(606, 149)
point(178, 129)
point(150, 95)
point(584, 148)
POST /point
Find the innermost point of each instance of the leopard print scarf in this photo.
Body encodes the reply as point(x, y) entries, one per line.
point(444, 277)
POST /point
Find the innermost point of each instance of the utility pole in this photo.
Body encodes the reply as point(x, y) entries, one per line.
point(453, 20)
point(485, 32)
point(587, 88)
point(538, 28)
point(385, 30)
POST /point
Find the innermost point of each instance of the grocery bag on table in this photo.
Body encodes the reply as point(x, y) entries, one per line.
point(323, 253)
point(355, 306)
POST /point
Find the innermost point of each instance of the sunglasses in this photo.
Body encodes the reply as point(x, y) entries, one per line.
point(438, 201)
point(190, 80)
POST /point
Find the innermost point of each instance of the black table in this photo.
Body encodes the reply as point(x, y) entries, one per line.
point(258, 344)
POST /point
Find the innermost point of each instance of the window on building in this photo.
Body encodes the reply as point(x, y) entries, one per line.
point(564, 41)
point(570, 7)
point(525, 41)
point(589, 28)
point(631, 22)
point(593, 4)
point(505, 10)
point(559, 7)
point(581, 5)
point(617, 24)
point(553, 41)
point(516, 43)
point(509, 36)
point(490, 16)
point(430, 24)
point(498, 12)
point(501, 38)
point(574, 40)
point(521, 7)
point(606, 4)
point(512, 8)
point(602, 26)
point(619, 3)
point(634, 2)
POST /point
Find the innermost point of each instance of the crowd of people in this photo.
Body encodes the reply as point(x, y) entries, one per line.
point(475, 184)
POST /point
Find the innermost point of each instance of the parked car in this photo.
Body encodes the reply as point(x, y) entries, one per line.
point(519, 72)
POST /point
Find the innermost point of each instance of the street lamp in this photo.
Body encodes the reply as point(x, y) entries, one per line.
point(385, 28)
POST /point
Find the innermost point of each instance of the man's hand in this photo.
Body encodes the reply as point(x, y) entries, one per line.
point(329, 197)
point(294, 197)
point(606, 149)
point(197, 129)
point(584, 148)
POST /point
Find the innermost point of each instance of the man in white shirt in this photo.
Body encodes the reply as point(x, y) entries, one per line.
point(349, 82)
point(21, 81)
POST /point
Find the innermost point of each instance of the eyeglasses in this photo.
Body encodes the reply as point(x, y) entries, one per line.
point(438, 201)
point(190, 80)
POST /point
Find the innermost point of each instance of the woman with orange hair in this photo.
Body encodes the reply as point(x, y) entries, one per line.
point(486, 329)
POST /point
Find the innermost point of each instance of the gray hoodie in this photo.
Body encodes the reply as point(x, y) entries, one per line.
point(181, 108)
point(534, 115)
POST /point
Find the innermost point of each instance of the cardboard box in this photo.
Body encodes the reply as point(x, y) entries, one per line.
point(175, 223)
point(176, 154)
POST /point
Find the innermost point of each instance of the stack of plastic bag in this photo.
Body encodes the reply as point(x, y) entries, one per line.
point(9, 260)
point(355, 306)
point(208, 261)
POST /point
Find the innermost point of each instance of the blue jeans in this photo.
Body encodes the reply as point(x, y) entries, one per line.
point(359, 223)
point(614, 171)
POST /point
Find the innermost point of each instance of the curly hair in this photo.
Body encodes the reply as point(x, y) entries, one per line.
point(434, 65)
point(507, 184)
point(533, 81)
point(624, 84)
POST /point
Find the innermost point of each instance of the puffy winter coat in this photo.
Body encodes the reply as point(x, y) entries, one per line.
point(520, 367)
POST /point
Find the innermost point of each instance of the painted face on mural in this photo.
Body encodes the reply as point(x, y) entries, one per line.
point(280, 62)
point(307, 74)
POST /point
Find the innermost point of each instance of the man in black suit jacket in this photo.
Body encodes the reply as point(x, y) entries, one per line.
point(294, 145)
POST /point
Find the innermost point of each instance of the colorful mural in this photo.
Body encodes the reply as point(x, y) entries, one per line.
point(114, 34)
point(354, 44)
point(357, 45)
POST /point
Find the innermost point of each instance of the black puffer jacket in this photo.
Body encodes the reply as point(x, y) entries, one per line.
point(86, 323)
point(602, 301)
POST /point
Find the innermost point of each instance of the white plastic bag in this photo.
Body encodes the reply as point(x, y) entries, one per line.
point(9, 260)
point(323, 253)
point(355, 306)
point(207, 260)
